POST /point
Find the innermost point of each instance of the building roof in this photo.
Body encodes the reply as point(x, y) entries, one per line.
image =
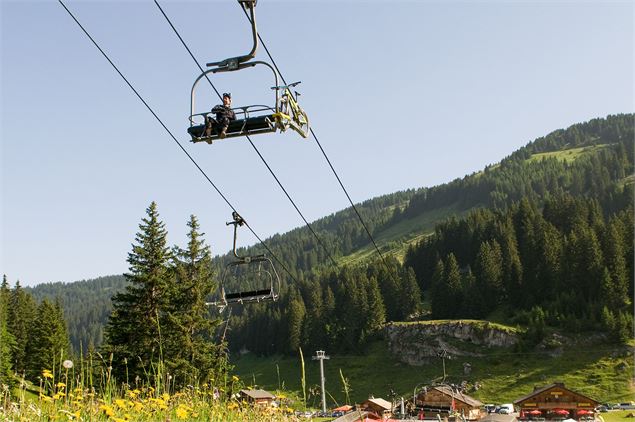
point(258, 394)
point(381, 403)
point(470, 401)
point(352, 417)
point(549, 387)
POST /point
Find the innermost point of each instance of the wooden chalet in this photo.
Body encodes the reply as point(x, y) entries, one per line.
point(257, 397)
point(555, 401)
point(379, 407)
point(443, 400)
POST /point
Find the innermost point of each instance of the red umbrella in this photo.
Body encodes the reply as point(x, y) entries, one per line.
point(584, 412)
point(561, 412)
point(535, 412)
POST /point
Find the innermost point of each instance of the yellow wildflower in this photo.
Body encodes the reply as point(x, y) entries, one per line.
point(138, 406)
point(121, 403)
point(45, 398)
point(165, 396)
point(47, 374)
point(107, 410)
point(235, 378)
point(60, 385)
point(182, 413)
point(232, 405)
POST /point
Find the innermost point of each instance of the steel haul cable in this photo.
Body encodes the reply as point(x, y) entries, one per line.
point(172, 136)
point(248, 138)
point(326, 157)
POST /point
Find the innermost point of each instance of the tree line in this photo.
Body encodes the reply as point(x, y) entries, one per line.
point(565, 263)
point(526, 248)
point(33, 336)
point(159, 322)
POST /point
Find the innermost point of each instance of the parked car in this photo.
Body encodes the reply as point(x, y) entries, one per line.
point(505, 409)
point(337, 414)
point(602, 408)
point(626, 406)
point(489, 408)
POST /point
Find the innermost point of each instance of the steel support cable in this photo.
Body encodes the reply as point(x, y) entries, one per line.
point(264, 45)
point(249, 138)
point(171, 135)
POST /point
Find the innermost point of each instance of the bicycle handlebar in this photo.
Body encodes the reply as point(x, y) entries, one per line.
point(291, 85)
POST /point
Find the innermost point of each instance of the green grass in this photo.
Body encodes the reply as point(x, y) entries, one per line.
point(503, 375)
point(568, 154)
point(617, 415)
point(474, 322)
point(399, 236)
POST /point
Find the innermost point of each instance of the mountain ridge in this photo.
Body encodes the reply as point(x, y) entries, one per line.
point(403, 218)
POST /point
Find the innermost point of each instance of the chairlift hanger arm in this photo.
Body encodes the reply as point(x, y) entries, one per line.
point(216, 70)
point(233, 63)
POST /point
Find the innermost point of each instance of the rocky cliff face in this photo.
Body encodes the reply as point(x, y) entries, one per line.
point(417, 343)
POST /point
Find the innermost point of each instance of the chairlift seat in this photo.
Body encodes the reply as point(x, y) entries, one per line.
point(251, 296)
point(238, 127)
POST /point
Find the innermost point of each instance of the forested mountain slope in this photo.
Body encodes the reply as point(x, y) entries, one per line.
point(588, 166)
point(86, 306)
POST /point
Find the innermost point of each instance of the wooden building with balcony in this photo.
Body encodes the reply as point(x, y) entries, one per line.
point(257, 397)
point(555, 401)
point(444, 400)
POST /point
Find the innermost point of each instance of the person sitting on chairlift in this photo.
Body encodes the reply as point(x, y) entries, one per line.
point(224, 115)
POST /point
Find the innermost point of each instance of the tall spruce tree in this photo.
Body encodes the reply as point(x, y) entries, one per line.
point(295, 317)
point(22, 312)
point(190, 351)
point(7, 341)
point(48, 344)
point(133, 332)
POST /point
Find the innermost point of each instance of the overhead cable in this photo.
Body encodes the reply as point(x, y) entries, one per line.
point(171, 135)
point(326, 157)
point(249, 138)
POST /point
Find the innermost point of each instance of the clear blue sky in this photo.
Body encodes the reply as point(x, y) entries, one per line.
point(401, 95)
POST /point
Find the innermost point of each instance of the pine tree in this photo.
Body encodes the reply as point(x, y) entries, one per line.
point(615, 290)
point(22, 312)
point(133, 333)
point(7, 342)
point(296, 314)
point(48, 343)
point(454, 286)
point(410, 294)
point(438, 292)
point(189, 350)
point(512, 267)
point(376, 314)
point(488, 271)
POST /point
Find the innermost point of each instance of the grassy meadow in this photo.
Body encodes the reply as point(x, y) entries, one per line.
point(91, 395)
point(603, 373)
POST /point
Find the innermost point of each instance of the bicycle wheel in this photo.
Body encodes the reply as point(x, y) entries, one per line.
point(302, 120)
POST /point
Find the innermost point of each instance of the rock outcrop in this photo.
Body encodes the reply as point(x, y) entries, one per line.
point(418, 343)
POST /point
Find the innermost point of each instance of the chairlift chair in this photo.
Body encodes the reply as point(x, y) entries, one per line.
point(251, 119)
point(247, 279)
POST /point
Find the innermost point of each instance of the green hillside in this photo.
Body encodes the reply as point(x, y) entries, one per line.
point(557, 214)
point(601, 372)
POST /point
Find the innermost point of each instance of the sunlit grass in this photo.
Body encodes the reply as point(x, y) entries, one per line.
point(601, 372)
point(65, 395)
